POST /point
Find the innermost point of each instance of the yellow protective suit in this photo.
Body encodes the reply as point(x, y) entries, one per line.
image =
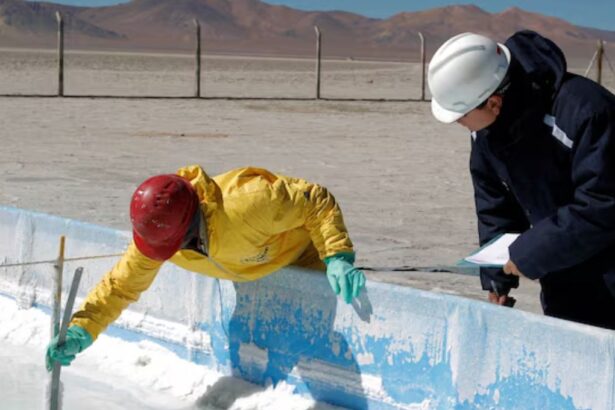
point(257, 223)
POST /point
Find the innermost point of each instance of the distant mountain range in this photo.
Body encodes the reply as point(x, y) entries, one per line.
point(255, 27)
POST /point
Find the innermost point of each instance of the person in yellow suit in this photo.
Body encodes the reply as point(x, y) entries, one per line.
point(241, 226)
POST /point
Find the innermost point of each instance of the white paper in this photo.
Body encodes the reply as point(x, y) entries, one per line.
point(496, 253)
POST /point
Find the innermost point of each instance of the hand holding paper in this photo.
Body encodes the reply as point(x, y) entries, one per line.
point(495, 253)
point(511, 269)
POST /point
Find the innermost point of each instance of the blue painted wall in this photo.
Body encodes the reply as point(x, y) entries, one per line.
point(394, 348)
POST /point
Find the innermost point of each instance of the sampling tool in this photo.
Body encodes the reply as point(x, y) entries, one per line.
point(54, 388)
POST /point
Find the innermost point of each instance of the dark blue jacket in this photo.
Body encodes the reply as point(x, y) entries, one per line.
point(546, 168)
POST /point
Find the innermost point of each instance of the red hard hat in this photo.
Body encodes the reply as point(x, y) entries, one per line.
point(161, 211)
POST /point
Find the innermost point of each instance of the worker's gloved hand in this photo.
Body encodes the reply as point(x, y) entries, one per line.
point(344, 278)
point(77, 340)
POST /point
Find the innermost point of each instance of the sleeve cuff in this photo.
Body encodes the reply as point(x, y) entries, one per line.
point(495, 277)
point(345, 256)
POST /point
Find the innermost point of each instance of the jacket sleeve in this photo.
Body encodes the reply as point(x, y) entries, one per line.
point(497, 211)
point(313, 207)
point(586, 226)
point(133, 274)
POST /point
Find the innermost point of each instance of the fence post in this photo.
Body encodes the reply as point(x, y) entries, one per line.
point(422, 66)
point(60, 54)
point(599, 57)
point(318, 59)
point(197, 91)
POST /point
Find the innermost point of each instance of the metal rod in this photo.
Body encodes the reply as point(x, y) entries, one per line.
point(55, 402)
point(197, 56)
point(422, 66)
point(60, 54)
point(70, 301)
point(318, 60)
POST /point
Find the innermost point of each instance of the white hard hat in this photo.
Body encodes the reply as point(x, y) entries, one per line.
point(463, 73)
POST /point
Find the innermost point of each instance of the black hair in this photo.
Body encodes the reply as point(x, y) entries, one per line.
point(501, 90)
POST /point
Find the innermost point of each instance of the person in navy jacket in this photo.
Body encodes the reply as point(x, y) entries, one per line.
point(542, 164)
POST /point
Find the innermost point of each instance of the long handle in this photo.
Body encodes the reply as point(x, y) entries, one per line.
point(68, 309)
point(54, 403)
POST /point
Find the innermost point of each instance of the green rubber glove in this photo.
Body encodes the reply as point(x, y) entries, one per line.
point(77, 340)
point(344, 278)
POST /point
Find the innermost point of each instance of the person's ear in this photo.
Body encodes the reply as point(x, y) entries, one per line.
point(494, 104)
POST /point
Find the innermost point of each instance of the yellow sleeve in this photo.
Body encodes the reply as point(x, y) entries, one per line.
point(133, 274)
point(315, 208)
point(325, 223)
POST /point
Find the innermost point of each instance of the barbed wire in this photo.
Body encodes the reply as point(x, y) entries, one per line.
point(54, 261)
point(591, 63)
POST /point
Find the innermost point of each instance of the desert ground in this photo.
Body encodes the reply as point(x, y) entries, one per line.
point(401, 178)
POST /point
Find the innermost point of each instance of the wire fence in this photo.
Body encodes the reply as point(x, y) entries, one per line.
point(113, 74)
point(55, 261)
point(98, 75)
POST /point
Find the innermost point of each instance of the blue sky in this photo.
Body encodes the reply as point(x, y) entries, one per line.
point(589, 13)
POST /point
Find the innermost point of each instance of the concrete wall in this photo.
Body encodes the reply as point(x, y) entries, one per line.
point(395, 348)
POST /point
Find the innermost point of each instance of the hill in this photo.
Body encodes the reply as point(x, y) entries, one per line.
point(255, 27)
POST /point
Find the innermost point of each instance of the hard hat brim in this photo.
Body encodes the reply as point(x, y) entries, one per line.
point(443, 115)
point(448, 116)
point(159, 252)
